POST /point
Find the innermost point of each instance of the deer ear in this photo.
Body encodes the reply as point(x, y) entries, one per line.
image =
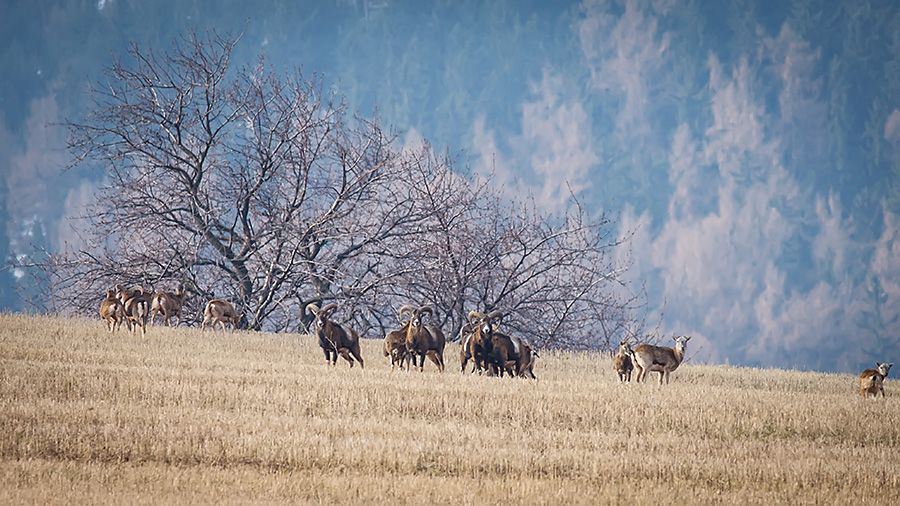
point(687, 338)
point(877, 364)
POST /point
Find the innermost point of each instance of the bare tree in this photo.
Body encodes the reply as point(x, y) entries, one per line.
point(247, 186)
point(261, 189)
point(555, 276)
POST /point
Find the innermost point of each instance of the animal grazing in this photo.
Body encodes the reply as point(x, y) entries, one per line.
point(221, 312)
point(622, 362)
point(168, 304)
point(136, 304)
point(334, 339)
point(871, 381)
point(112, 311)
point(423, 340)
point(647, 358)
point(492, 350)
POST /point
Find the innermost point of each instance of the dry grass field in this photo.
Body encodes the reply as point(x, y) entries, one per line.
point(185, 417)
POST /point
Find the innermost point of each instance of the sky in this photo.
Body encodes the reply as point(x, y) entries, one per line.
point(749, 149)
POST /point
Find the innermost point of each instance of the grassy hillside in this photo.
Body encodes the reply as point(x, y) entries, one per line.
point(182, 416)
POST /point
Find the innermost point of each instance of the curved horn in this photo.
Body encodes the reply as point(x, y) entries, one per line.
point(495, 315)
point(475, 315)
point(426, 310)
point(405, 308)
point(312, 308)
point(329, 308)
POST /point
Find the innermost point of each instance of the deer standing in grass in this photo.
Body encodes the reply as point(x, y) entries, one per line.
point(168, 304)
point(395, 348)
point(136, 303)
point(661, 359)
point(423, 340)
point(220, 312)
point(871, 381)
point(623, 363)
point(112, 311)
point(334, 338)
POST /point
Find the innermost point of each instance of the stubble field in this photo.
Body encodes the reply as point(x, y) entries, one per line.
point(185, 417)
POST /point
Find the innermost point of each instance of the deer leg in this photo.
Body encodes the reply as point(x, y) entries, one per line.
point(346, 355)
point(357, 355)
point(433, 357)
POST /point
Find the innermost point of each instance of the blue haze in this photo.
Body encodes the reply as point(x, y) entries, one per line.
point(753, 147)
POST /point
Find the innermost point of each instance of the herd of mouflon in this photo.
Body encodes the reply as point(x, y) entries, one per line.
point(482, 343)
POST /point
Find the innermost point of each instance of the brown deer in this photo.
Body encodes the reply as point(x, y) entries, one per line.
point(871, 381)
point(622, 362)
point(467, 348)
point(528, 354)
point(136, 303)
point(395, 347)
point(334, 339)
point(168, 304)
point(222, 312)
point(497, 352)
point(112, 311)
point(647, 358)
point(423, 340)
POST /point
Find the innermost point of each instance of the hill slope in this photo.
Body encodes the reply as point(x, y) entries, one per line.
point(182, 416)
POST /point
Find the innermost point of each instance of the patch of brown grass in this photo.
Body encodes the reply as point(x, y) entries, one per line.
point(181, 416)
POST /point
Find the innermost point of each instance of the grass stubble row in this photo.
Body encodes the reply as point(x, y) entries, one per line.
point(185, 417)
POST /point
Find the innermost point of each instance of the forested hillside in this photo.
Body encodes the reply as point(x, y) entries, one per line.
point(752, 148)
